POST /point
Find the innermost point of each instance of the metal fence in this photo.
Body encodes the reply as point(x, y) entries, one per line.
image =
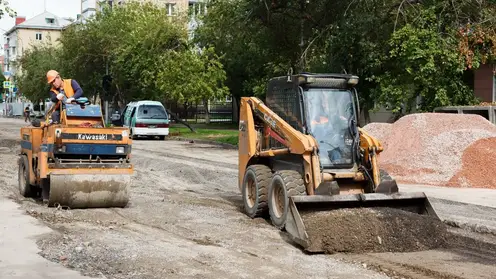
point(219, 112)
point(17, 109)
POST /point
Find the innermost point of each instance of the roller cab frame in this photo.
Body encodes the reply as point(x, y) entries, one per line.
point(303, 150)
point(78, 163)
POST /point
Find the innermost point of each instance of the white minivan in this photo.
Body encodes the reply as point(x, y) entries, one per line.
point(146, 118)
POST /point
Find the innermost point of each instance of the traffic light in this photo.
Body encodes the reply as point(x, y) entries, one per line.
point(107, 87)
point(107, 82)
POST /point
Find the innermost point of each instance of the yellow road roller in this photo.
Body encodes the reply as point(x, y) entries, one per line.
point(77, 163)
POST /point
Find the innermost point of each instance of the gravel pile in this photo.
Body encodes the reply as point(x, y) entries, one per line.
point(428, 148)
point(380, 131)
point(477, 166)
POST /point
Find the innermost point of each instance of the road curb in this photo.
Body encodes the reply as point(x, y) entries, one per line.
point(477, 228)
point(220, 144)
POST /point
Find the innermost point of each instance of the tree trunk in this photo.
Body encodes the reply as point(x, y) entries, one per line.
point(207, 111)
point(366, 115)
point(178, 119)
point(235, 108)
point(185, 112)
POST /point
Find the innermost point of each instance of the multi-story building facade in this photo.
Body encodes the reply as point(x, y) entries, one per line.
point(173, 7)
point(26, 33)
point(2, 62)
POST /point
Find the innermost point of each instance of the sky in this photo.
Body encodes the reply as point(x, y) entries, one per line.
point(32, 8)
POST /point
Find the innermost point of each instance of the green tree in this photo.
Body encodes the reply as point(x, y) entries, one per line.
point(147, 54)
point(35, 63)
point(423, 64)
point(374, 39)
point(6, 9)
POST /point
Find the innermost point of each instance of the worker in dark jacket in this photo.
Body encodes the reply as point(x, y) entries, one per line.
point(65, 90)
point(27, 116)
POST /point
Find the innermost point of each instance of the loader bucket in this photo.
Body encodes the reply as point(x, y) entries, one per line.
point(300, 205)
point(89, 190)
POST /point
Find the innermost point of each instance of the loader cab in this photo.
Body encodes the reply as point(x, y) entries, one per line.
point(324, 106)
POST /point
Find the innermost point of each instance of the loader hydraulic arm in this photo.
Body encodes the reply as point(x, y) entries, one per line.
point(371, 148)
point(295, 142)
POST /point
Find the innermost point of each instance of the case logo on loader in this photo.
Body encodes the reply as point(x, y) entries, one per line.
point(269, 119)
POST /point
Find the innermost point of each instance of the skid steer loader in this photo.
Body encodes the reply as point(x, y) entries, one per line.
point(78, 163)
point(303, 151)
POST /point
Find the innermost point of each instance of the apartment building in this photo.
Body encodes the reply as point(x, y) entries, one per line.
point(26, 33)
point(2, 62)
point(484, 83)
point(173, 7)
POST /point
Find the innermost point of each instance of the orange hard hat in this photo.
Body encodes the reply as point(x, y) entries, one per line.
point(51, 75)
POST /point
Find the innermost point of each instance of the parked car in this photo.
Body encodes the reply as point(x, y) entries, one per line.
point(146, 118)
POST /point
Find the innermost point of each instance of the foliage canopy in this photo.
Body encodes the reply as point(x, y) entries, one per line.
point(403, 50)
point(146, 53)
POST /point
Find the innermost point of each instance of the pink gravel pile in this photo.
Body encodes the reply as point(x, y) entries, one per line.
point(478, 166)
point(380, 131)
point(428, 148)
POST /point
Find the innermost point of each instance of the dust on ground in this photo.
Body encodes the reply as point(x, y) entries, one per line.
point(362, 230)
point(466, 256)
point(185, 220)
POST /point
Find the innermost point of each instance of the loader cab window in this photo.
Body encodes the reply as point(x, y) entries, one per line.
point(328, 113)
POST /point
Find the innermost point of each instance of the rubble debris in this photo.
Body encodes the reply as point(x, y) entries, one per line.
point(364, 230)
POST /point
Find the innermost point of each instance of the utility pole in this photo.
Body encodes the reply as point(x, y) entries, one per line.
point(302, 34)
point(106, 101)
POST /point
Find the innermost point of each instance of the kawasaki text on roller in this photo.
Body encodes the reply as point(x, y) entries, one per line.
point(92, 137)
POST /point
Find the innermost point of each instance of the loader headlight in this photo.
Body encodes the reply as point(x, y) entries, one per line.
point(124, 134)
point(353, 81)
point(119, 150)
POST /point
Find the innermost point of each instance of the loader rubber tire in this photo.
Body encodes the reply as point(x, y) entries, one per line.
point(254, 190)
point(23, 177)
point(284, 184)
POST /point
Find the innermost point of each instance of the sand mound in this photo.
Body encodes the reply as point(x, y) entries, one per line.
point(380, 131)
point(427, 148)
point(477, 166)
point(362, 230)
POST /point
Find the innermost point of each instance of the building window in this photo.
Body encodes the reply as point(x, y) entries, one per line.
point(197, 8)
point(38, 36)
point(50, 20)
point(171, 9)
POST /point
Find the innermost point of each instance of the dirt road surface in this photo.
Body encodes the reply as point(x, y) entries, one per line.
point(185, 220)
